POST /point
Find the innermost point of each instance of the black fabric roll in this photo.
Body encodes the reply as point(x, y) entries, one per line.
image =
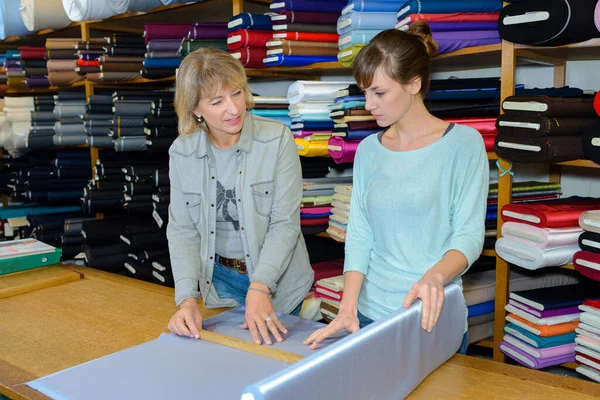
point(110, 263)
point(138, 270)
point(103, 231)
point(161, 177)
point(548, 126)
point(145, 240)
point(70, 251)
point(69, 240)
point(152, 121)
point(128, 122)
point(552, 106)
point(591, 143)
point(464, 108)
point(134, 189)
point(143, 95)
point(40, 142)
point(543, 149)
point(160, 144)
point(110, 186)
point(590, 241)
point(161, 132)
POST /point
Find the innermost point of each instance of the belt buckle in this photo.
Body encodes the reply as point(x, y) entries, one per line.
point(237, 264)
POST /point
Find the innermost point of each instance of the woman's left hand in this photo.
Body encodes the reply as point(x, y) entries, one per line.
point(430, 289)
point(260, 316)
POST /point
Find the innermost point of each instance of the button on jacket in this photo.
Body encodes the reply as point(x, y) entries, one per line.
point(269, 190)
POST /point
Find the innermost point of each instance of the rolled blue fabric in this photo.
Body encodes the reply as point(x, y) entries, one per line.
point(329, 6)
point(365, 21)
point(445, 6)
point(250, 21)
point(162, 62)
point(355, 37)
point(11, 23)
point(296, 61)
point(268, 113)
point(371, 6)
point(360, 134)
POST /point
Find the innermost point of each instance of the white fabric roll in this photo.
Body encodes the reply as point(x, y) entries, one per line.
point(314, 90)
point(19, 102)
point(118, 6)
point(530, 257)
point(143, 5)
point(169, 2)
point(83, 10)
point(44, 14)
point(17, 114)
point(19, 134)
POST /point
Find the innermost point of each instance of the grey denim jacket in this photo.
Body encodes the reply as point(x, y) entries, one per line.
point(269, 188)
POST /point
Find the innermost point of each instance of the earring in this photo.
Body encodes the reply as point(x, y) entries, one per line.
point(200, 119)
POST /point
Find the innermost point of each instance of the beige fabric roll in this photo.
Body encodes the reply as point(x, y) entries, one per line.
point(61, 65)
point(64, 78)
point(43, 14)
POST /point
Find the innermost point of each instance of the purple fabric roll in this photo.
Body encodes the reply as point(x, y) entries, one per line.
point(463, 26)
point(166, 31)
point(452, 41)
point(37, 82)
point(12, 64)
point(535, 363)
point(546, 313)
point(343, 151)
point(208, 31)
point(164, 45)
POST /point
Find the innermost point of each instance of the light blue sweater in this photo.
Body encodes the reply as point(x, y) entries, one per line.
point(409, 208)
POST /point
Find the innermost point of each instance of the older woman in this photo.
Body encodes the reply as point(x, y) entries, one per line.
point(236, 185)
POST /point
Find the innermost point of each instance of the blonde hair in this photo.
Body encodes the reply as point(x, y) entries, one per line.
point(201, 74)
point(402, 55)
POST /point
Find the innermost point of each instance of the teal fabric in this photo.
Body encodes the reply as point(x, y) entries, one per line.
point(538, 341)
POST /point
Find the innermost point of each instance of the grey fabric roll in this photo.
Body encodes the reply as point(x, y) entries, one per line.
point(132, 109)
point(134, 143)
point(69, 129)
point(100, 141)
point(69, 140)
point(142, 5)
point(68, 110)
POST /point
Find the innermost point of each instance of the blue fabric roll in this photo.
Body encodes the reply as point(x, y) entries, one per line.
point(346, 105)
point(360, 134)
point(313, 125)
point(250, 21)
point(11, 23)
point(13, 55)
point(365, 21)
point(371, 6)
point(329, 6)
point(162, 62)
point(270, 112)
point(311, 216)
point(355, 37)
point(287, 121)
point(296, 61)
point(33, 209)
point(476, 310)
point(445, 6)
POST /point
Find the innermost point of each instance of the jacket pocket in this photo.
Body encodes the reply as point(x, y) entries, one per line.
point(193, 202)
point(262, 194)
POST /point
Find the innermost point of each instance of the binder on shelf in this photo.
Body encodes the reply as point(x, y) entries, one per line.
point(21, 255)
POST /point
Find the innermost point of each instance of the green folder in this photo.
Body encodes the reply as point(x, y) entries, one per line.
point(28, 254)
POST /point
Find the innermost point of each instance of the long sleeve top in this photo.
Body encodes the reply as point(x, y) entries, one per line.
point(410, 208)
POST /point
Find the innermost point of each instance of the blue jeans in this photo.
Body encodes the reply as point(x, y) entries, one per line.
point(364, 321)
point(230, 284)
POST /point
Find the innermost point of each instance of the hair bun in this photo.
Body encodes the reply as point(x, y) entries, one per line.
point(423, 31)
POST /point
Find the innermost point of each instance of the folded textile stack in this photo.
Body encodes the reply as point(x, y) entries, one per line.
point(327, 269)
point(591, 136)
point(304, 33)
point(160, 124)
point(455, 25)
point(361, 21)
point(587, 261)
point(587, 342)
point(542, 234)
point(62, 64)
point(89, 54)
point(272, 107)
point(320, 167)
point(69, 110)
point(206, 34)
point(542, 323)
point(247, 38)
point(163, 41)
point(311, 124)
point(33, 62)
point(3, 75)
point(548, 23)
point(315, 218)
point(98, 121)
point(338, 221)
point(16, 79)
point(17, 122)
point(330, 291)
point(544, 129)
point(479, 290)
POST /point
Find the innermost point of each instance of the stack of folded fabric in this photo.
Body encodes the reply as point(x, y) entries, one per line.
point(311, 124)
point(88, 56)
point(208, 34)
point(349, 100)
point(139, 187)
point(161, 196)
point(163, 41)
point(98, 121)
point(15, 74)
point(62, 55)
point(338, 221)
point(455, 25)
point(587, 342)
point(17, 113)
point(69, 111)
point(587, 261)
point(141, 238)
point(33, 62)
point(548, 23)
point(316, 167)
point(3, 75)
point(121, 60)
point(544, 129)
point(71, 239)
point(160, 126)
point(102, 247)
point(272, 107)
point(130, 107)
point(315, 218)
point(542, 323)
point(247, 37)
point(304, 33)
point(542, 234)
point(43, 121)
point(331, 291)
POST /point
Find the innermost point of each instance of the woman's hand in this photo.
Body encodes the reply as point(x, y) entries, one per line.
point(430, 289)
point(260, 316)
point(347, 321)
point(187, 321)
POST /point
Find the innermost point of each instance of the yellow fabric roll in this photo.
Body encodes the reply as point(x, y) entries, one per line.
point(311, 149)
point(346, 56)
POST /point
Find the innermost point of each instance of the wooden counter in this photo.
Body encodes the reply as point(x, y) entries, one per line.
point(51, 329)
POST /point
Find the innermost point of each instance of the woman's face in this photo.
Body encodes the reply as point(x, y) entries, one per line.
point(389, 100)
point(224, 112)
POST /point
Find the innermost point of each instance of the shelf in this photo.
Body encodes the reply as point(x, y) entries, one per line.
point(567, 266)
point(492, 156)
point(489, 253)
point(478, 57)
point(580, 163)
point(487, 343)
point(588, 50)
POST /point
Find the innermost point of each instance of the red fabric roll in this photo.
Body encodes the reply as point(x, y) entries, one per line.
point(485, 126)
point(589, 358)
point(251, 57)
point(314, 221)
point(453, 17)
point(597, 102)
point(248, 38)
point(592, 303)
point(342, 151)
point(308, 36)
point(32, 53)
point(584, 270)
point(489, 140)
point(555, 214)
point(85, 63)
point(328, 269)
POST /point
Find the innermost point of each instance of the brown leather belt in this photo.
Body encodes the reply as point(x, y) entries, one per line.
point(237, 264)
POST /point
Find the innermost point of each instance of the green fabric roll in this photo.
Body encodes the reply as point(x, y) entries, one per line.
point(346, 57)
point(529, 186)
point(187, 46)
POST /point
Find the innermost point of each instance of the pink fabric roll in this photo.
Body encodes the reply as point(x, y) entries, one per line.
point(315, 210)
point(597, 16)
point(485, 126)
point(542, 238)
point(342, 151)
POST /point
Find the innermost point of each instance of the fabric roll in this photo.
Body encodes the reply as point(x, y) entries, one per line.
point(132, 143)
point(247, 20)
point(208, 31)
point(11, 22)
point(590, 241)
point(441, 6)
point(548, 22)
point(342, 151)
point(531, 257)
point(162, 54)
point(590, 220)
point(365, 21)
point(357, 37)
point(591, 143)
point(69, 140)
point(288, 16)
point(457, 26)
point(43, 14)
point(61, 54)
point(248, 38)
point(187, 46)
point(250, 57)
point(588, 264)
point(307, 36)
point(64, 78)
point(100, 141)
point(370, 6)
point(550, 106)
point(528, 360)
point(61, 65)
point(37, 82)
point(331, 6)
point(158, 30)
point(158, 73)
point(452, 41)
point(121, 67)
point(539, 150)
point(553, 214)
point(347, 55)
point(311, 149)
point(542, 238)
point(295, 61)
point(299, 27)
point(82, 10)
point(533, 125)
point(162, 62)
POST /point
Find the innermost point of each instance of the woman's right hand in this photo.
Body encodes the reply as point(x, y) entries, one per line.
point(187, 321)
point(347, 321)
